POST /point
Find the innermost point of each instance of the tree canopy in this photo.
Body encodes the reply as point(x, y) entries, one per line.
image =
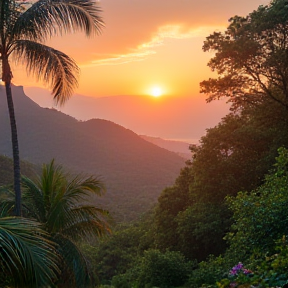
point(251, 58)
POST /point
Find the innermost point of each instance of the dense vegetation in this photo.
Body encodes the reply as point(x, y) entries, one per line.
point(224, 222)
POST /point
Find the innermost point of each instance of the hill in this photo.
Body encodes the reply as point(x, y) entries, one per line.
point(179, 147)
point(168, 117)
point(134, 170)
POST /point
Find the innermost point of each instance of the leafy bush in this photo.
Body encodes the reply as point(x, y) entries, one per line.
point(208, 272)
point(261, 217)
point(156, 269)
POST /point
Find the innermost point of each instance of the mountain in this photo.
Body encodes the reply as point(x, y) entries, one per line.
point(167, 117)
point(179, 147)
point(134, 170)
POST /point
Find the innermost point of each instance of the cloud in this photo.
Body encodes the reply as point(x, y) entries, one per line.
point(144, 50)
point(121, 59)
point(135, 28)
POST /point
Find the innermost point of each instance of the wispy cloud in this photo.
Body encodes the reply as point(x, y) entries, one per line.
point(125, 58)
point(146, 49)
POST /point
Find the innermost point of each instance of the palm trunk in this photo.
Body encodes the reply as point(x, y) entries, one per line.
point(15, 148)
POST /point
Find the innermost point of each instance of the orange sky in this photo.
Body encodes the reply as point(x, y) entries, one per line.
point(147, 43)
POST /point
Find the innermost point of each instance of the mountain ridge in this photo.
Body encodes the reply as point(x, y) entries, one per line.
point(167, 117)
point(134, 170)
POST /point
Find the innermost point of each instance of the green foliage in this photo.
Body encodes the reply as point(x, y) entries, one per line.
point(118, 252)
point(260, 217)
point(59, 200)
point(233, 156)
point(156, 269)
point(27, 257)
point(267, 271)
point(201, 228)
point(208, 272)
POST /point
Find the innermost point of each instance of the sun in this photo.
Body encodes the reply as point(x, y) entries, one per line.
point(156, 91)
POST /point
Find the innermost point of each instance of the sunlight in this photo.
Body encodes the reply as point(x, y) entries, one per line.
point(156, 91)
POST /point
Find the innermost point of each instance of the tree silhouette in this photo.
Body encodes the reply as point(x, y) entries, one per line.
point(23, 29)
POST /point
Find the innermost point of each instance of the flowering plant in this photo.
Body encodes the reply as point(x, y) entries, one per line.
point(237, 276)
point(239, 269)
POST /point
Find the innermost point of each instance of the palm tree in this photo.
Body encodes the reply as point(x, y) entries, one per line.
point(27, 256)
point(59, 201)
point(23, 30)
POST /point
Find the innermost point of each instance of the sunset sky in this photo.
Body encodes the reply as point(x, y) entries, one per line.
point(146, 44)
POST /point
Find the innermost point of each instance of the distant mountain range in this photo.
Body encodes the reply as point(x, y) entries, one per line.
point(135, 171)
point(179, 147)
point(167, 117)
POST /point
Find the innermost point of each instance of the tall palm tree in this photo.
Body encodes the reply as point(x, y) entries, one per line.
point(60, 201)
point(23, 30)
point(27, 256)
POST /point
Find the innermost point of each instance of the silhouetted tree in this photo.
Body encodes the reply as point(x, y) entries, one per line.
point(23, 29)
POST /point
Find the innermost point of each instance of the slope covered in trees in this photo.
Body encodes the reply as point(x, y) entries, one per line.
point(134, 170)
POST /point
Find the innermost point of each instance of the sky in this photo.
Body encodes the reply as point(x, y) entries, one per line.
point(148, 48)
point(146, 45)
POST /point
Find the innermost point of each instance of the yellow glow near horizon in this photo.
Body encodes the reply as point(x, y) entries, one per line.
point(156, 91)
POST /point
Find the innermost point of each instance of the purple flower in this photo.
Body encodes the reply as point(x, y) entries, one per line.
point(236, 269)
point(239, 266)
point(247, 271)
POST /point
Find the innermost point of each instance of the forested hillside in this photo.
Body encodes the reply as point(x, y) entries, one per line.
point(134, 170)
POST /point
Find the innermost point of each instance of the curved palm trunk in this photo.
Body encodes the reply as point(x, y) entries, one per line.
point(7, 75)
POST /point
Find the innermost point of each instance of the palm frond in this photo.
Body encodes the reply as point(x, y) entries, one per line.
point(50, 65)
point(52, 178)
point(33, 200)
point(47, 17)
point(88, 221)
point(68, 217)
point(7, 202)
point(77, 268)
point(80, 189)
point(26, 251)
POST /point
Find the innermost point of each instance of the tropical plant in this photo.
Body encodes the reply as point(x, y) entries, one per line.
point(60, 201)
point(27, 256)
point(23, 29)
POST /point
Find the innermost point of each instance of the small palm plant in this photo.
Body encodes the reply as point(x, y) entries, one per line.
point(59, 201)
